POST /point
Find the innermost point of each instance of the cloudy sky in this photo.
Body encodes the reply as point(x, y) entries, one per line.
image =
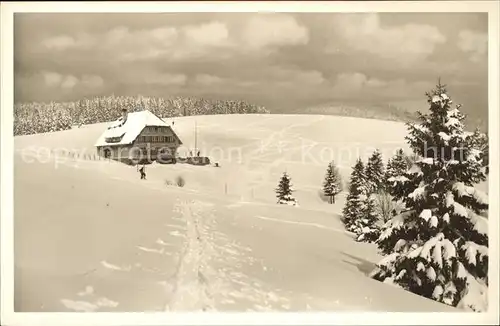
point(282, 61)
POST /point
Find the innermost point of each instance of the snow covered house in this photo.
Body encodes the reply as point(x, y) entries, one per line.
point(139, 137)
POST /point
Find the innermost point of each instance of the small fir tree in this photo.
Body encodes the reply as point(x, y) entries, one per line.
point(375, 172)
point(367, 227)
point(357, 191)
point(396, 167)
point(332, 185)
point(284, 191)
point(438, 247)
point(480, 142)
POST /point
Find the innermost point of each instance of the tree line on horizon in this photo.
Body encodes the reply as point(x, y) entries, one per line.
point(35, 117)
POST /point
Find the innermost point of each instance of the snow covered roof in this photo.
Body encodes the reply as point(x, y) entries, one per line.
point(127, 131)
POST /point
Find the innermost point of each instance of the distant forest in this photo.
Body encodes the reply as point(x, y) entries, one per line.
point(381, 112)
point(33, 118)
point(389, 113)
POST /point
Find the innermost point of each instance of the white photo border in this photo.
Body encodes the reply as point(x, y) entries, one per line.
point(9, 317)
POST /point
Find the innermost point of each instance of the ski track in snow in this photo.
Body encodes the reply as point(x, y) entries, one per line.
point(152, 250)
point(114, 267)
point(209, 275)
point(259, 153)
point(319, 226)
point(88, 306)
point(192, 289)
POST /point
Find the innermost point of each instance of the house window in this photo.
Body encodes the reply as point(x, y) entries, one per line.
point(113, 139)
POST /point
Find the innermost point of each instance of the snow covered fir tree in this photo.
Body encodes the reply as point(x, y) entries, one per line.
point(396, 166)
point(360, 214)
point(375, 172)
point(367, 226)
point(438, 246)
point(332, 185)
point(353, 209)
point(284, 191)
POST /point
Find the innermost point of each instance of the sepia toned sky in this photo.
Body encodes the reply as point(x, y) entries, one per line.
point(282, 61)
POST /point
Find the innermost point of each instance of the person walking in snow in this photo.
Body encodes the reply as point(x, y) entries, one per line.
point(143, 173)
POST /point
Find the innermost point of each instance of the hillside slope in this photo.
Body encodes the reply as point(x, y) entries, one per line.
point(91, 236)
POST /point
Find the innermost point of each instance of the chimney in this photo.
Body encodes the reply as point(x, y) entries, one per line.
point(124, 115)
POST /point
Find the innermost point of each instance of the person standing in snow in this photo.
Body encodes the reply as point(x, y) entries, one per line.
point(143, 173)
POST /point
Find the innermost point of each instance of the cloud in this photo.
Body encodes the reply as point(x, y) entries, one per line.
point(300, 78)
point(272, 78)
point(473, 43)
point(151, 77)
point(166, 42)
point(210, 34)
point(69, 82)
point(208, 80)
point(59, 43)
point(225, 84)
point(92, 81)
point(52, 79)
point(356, 84)
point(266, 30)
point(276, 78)
point(404, 44)
point(64, 42)
point(355, 81)
point(193, 41)
point(56, 80)
point(167, 79)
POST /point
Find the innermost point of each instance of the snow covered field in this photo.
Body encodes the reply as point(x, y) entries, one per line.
point(91, 236)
